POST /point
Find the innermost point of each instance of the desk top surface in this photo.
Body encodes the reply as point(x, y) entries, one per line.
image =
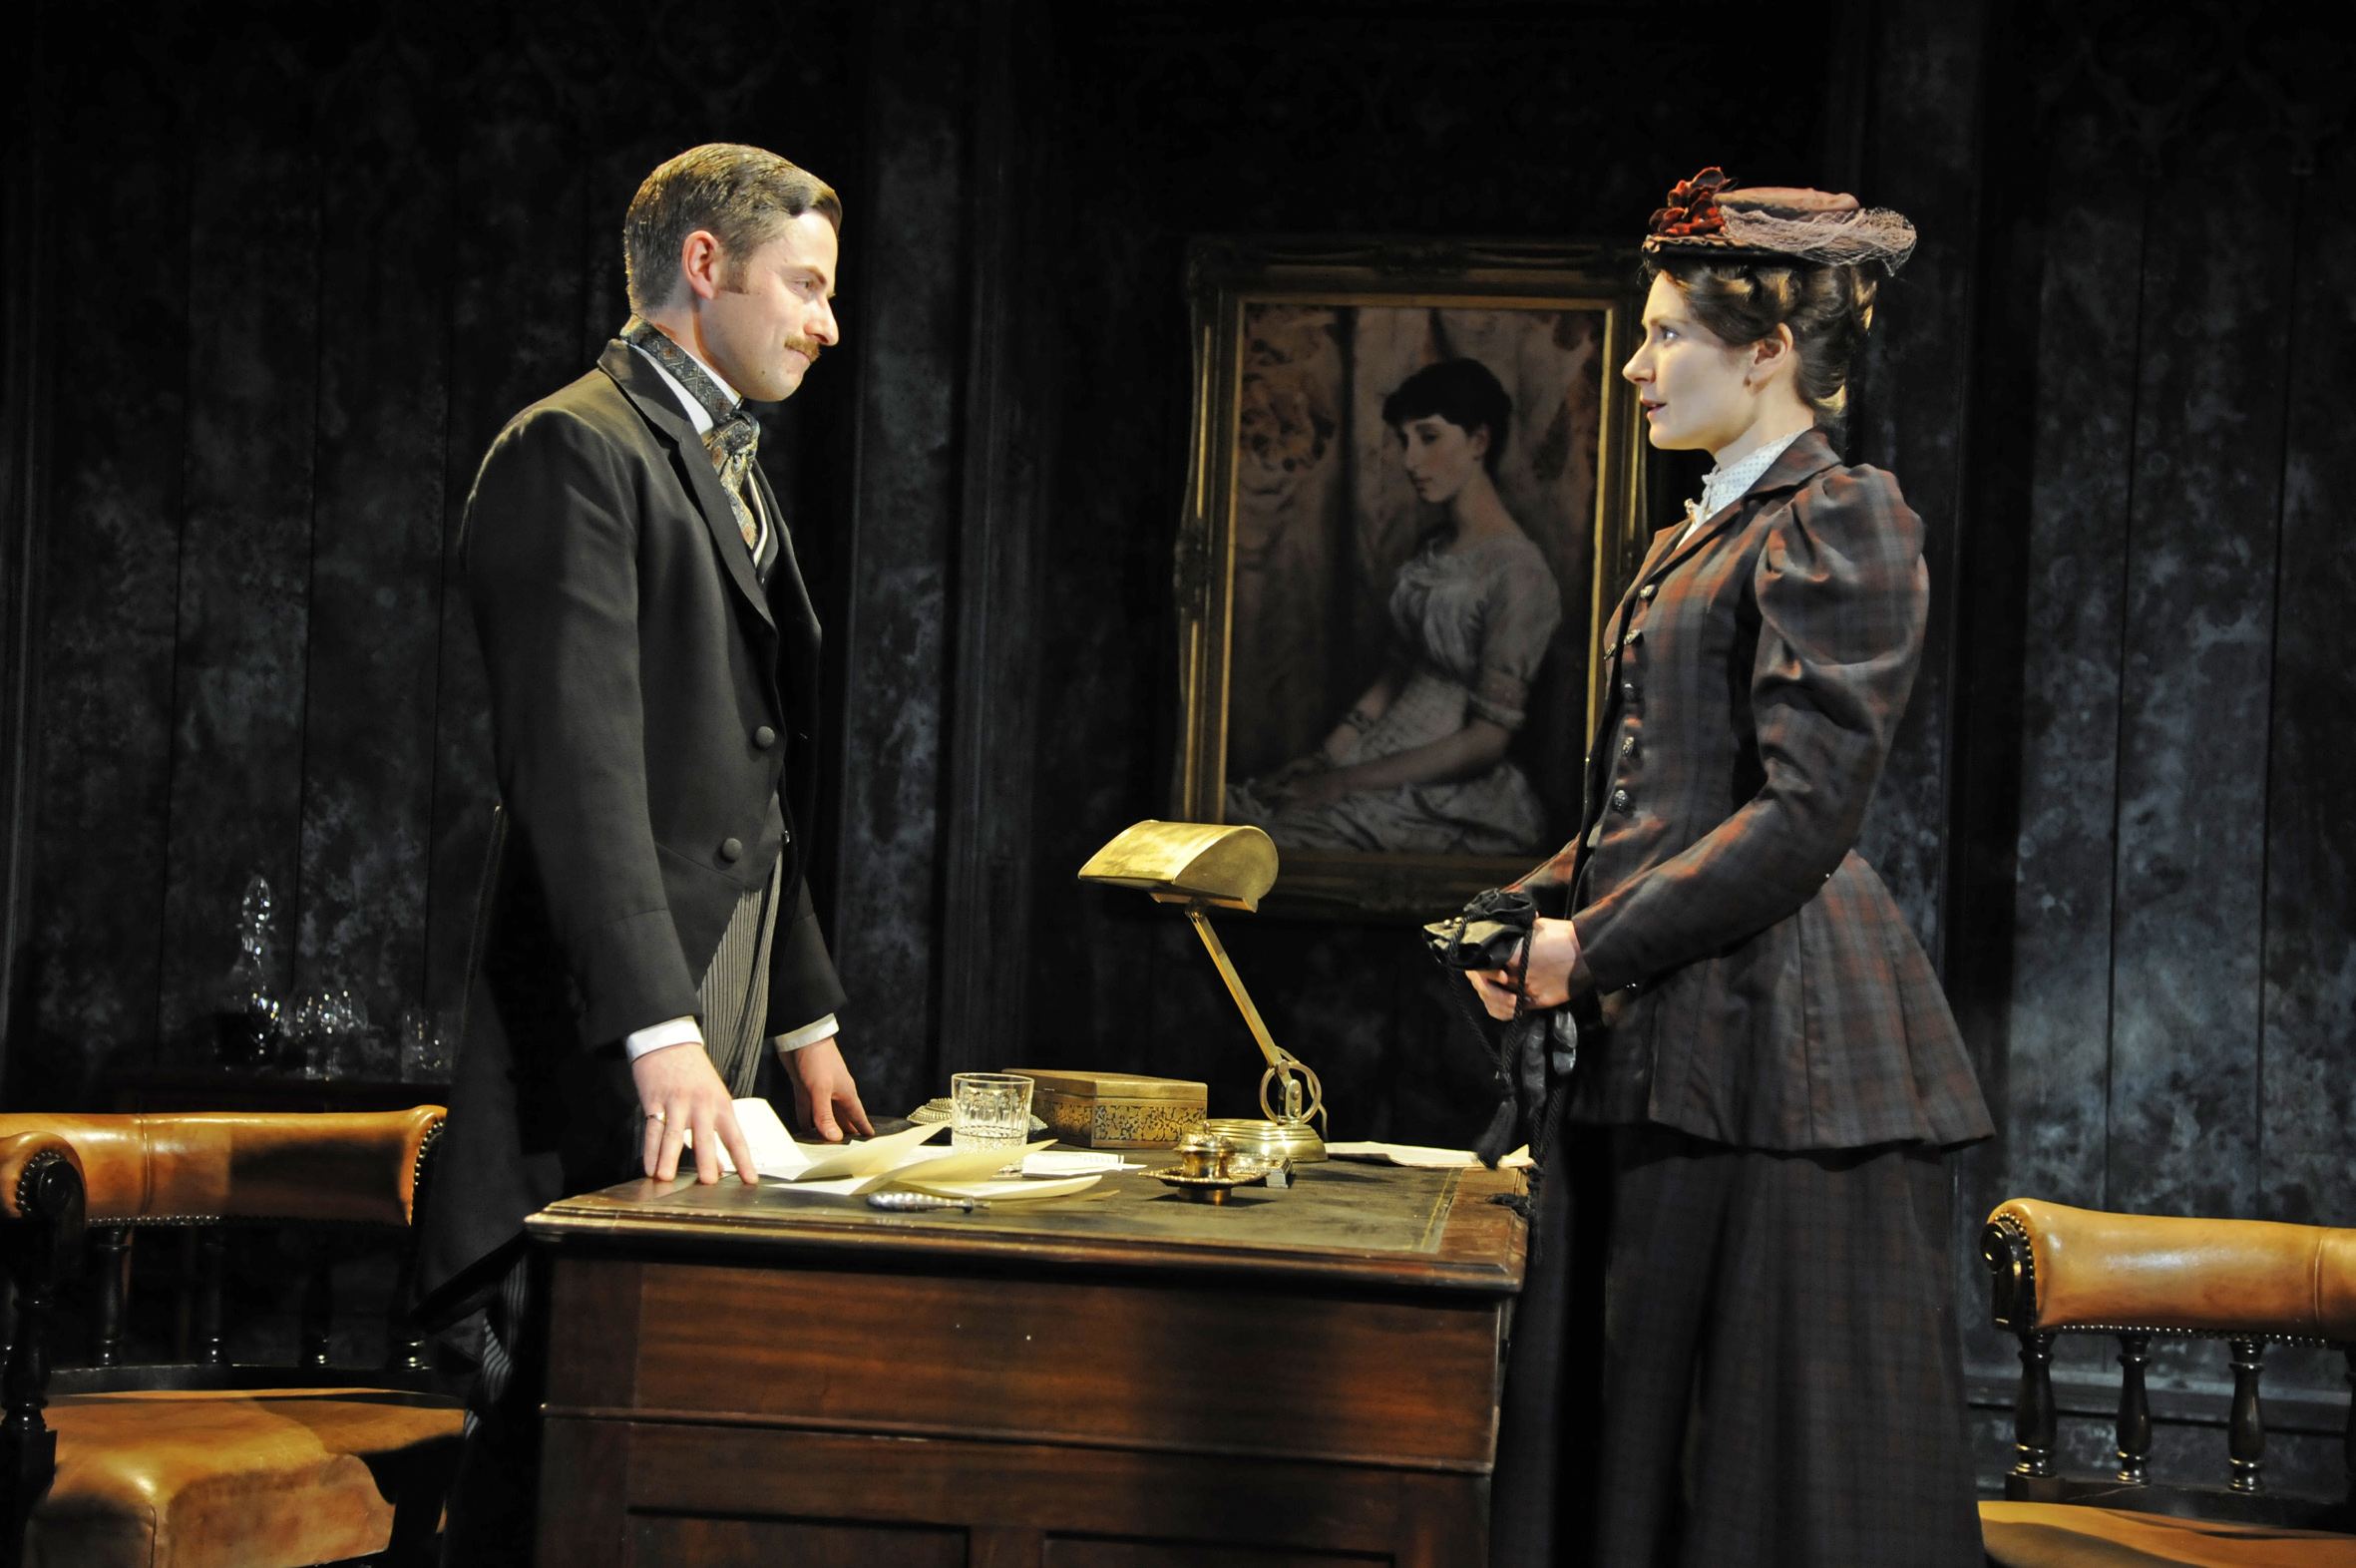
point(1340, 1222)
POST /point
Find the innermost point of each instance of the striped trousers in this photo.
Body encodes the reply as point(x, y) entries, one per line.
point(735, 988)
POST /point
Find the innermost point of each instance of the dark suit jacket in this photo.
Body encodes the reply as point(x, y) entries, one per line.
point(1758, 983)
point(651, 713)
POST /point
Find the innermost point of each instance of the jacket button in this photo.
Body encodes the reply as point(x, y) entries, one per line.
point(764, 737)
point(1627, 745)
point(1633, 637)
point(1628, 689)
point(731, 850)
point(1619, 800)
point(1648, 591)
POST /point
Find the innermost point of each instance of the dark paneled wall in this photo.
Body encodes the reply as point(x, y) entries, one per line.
point(1915, 103)
point(299, 265)
point(896, 628)
point(2154, 949)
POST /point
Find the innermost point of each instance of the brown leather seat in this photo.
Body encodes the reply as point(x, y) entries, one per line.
point(278, 1479)
point(2072, 1535)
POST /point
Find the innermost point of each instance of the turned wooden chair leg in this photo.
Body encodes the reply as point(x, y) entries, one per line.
point(28, 1448)
point(184, 1300)
point(111, 1246)
point(2248, 1442)
point(318, 1309)
point(49, 1194)
point(2348, 1439)
point(2033, 1409)
point(2135, 1410)
point(404, 1340)
point(212, 1247)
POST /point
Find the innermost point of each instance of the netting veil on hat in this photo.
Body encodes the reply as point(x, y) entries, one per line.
point(1707, 217)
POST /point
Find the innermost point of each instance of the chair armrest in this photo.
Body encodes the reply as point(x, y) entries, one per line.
point(24, 1158)
point(2060, 1267)
point(332, 1167)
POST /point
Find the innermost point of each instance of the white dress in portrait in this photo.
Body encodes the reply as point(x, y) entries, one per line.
point(1470, 631)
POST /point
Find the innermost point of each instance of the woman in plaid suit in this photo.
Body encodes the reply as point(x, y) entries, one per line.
point(1768, 1055)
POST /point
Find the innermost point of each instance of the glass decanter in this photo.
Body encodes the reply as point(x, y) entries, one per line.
point(245, 1015)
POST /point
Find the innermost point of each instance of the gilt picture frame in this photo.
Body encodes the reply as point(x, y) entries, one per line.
point(1318, 580)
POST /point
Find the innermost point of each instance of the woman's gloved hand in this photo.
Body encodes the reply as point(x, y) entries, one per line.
point(1546, 974)
point(1496, 942)
point(1504, 946)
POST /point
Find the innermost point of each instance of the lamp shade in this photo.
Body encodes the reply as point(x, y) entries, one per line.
point(1220, 863)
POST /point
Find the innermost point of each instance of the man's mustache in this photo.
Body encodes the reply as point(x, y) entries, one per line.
point(806, 346)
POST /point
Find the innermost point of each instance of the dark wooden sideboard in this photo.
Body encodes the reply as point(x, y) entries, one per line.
point(1118, 1379)
point(243, 1089)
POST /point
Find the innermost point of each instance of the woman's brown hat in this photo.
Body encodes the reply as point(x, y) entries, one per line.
point(1707, 218)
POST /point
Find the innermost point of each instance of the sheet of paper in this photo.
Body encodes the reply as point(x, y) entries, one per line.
point(934, 1163)
point(1012, 1190)
point(1073, 1162)
point(967, 1164)
point(844, 1186)
point(1419, 1158)
point(775, 1153)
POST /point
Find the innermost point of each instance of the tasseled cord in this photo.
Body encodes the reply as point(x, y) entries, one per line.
point(1497, 1139)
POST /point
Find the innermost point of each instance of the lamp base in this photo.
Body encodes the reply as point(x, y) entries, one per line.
point(1263, 1139)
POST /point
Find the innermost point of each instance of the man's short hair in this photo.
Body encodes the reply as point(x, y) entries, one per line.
point(743, 194)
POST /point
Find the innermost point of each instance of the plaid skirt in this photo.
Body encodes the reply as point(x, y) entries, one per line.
point(1782, 1380)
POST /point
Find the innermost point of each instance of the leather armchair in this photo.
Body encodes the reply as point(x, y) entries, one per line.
point(2058, 1270)
point(200, 1462)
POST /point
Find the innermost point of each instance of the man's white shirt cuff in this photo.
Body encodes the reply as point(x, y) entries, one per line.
point(675, 1031)
point(685, 1031)
point(808, 1034)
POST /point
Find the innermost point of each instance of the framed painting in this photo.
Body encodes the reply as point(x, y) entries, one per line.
point(1413, 496)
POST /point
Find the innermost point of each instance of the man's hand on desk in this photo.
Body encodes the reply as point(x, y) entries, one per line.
point(824, 1095)
point(678, 1092)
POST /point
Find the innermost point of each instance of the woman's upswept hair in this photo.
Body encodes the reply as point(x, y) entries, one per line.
point(1465, 393)
point(1827, 308)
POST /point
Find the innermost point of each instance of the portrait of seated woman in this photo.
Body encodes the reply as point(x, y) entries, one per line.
point(1420, 764)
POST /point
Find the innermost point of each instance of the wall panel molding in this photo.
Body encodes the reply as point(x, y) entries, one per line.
point(913, 329)
point(1010, 444)
point(24, 416)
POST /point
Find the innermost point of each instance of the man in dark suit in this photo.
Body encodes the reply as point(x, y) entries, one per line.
point(646, 933)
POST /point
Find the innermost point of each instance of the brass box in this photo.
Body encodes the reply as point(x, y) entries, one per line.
point(1114, 1111)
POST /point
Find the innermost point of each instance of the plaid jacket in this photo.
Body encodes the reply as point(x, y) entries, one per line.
point(1757, 983)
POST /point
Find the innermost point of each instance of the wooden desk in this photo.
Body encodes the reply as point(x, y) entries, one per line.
point(1113, 1380)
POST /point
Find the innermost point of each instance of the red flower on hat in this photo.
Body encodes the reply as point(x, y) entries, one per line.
point(1692, 211)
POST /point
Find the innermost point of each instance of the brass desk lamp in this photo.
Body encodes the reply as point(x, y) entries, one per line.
point(1202, 865)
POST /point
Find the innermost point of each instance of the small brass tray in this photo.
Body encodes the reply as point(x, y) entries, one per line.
point(1208, 1189)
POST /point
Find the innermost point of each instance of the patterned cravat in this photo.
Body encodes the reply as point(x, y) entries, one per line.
point(735, 435)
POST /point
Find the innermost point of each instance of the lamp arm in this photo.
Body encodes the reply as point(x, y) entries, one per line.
point(1235, 985)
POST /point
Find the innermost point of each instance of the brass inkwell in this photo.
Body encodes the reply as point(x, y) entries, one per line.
point(1203, 866)
point(1209, 1168)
